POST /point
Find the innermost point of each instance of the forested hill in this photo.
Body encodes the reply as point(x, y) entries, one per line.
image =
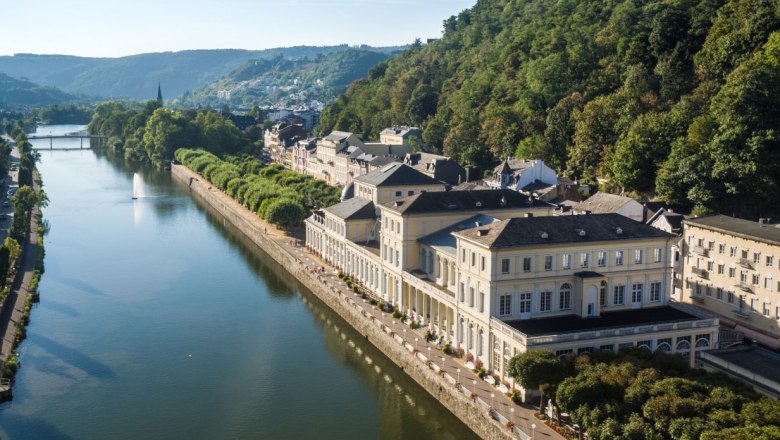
point(678, 97)
point(16, 92)
point(136, 76)
point(288, 81)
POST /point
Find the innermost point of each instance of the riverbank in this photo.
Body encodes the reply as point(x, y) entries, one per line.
point(14, 308)
point(402, 347)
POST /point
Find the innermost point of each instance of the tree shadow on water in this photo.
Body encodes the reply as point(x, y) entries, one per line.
point(74, 358)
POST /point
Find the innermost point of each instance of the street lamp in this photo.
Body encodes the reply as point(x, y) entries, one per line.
point(512, 415)
point(474, 382)
point(415, 343)
point(533, 431)
point(492, 400)
point(458, 370)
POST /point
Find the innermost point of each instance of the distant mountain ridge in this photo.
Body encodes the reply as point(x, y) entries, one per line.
point(15, 92)
point(137, 76)
point(288, 82)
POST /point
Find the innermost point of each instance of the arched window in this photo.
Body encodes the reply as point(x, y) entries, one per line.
point(665, 347)
point(703, 342)
point(683, 345)
point(603, 294)
point(564, 297)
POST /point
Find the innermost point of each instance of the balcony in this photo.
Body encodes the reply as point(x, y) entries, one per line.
point(700, 250)
point(741, 313)
point(743, 286)
point(697, 298)
point(701, 273)
point(744, 262)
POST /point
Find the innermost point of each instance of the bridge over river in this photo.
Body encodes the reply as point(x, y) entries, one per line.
point(78, 135)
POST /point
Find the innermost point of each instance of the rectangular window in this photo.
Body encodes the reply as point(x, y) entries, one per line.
point(548, 260)
point(525, 302)
point(410, 193)
point(463, 256)
point(721, 248)
point(473, 259)
point(636, 292)
point(618, 258)
point(566, 261)
point(505, 265)
point(766, 309)
point(619, 297)
point(708, 291)
point(655, 291)
point(769, 260)
point(398, 193)
point(545, 301)
point(471, 297)
point(755, 279)
point(744, 253)
point(721, 269)
point(767, 283)
point(732, 272)
point(732, 251)
point(711, 246)
point(603, 294)
point(526, 264)
point(564, 299)
point(719, 293)
point(481, 301)
point(482, 263)
point(602, 259)
point(709, 266)
point(397, 258)
point(637, 256)
point(584, 259)
point(657, 255)
point(505, 305)
point(756, 257)
point(730, 297)
point(462, 292)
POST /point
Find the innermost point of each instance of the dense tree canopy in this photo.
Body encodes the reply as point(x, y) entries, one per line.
point(677, 98)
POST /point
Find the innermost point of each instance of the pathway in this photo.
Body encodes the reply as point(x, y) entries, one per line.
point(522, 416)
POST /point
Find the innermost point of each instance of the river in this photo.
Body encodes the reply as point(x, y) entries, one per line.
point(159, 321)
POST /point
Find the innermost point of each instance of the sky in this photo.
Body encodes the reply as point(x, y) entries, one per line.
point(114, 28)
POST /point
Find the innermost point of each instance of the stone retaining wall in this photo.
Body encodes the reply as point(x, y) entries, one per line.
point(464, 408)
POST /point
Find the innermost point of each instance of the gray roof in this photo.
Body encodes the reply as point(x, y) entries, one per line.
point(510, 166)
point(443, 240)
point(534, 231)
point(474, 185)
point(603, 203)
point(400, 130)
point(353, 209)
point(380, 161)
point(396, 174)
point(454, 201)
point(742, 228)
point(337, 136)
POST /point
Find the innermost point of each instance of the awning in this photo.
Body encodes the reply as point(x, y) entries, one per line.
point(759, 337)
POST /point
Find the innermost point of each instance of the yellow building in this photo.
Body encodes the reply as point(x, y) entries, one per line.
point(494, 273)
point(731, 267)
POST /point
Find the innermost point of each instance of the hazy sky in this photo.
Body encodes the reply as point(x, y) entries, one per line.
point(124, 27)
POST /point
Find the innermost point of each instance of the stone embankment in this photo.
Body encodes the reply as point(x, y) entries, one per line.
point(474, 413)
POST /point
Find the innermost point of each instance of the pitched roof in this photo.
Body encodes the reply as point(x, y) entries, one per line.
point(353, 209)
point(603, 203)
point(380, 161)
point(744, 228)
point(509, 165)
point(399, 130)
point(443, 240)
point(534, 231)
point(453, 201)
point(337, 136)
point(396, 174)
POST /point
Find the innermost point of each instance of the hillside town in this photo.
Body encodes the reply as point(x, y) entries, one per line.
point(519, 261)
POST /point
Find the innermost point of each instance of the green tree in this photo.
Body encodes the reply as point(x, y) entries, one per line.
point(285, 213)
point(537, 369)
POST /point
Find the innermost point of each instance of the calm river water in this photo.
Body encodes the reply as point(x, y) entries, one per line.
point(158, 321)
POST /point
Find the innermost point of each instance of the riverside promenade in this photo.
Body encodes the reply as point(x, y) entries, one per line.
point(480, 405)
point(12, 308)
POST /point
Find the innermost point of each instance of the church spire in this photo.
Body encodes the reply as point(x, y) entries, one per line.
point(159, 95)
